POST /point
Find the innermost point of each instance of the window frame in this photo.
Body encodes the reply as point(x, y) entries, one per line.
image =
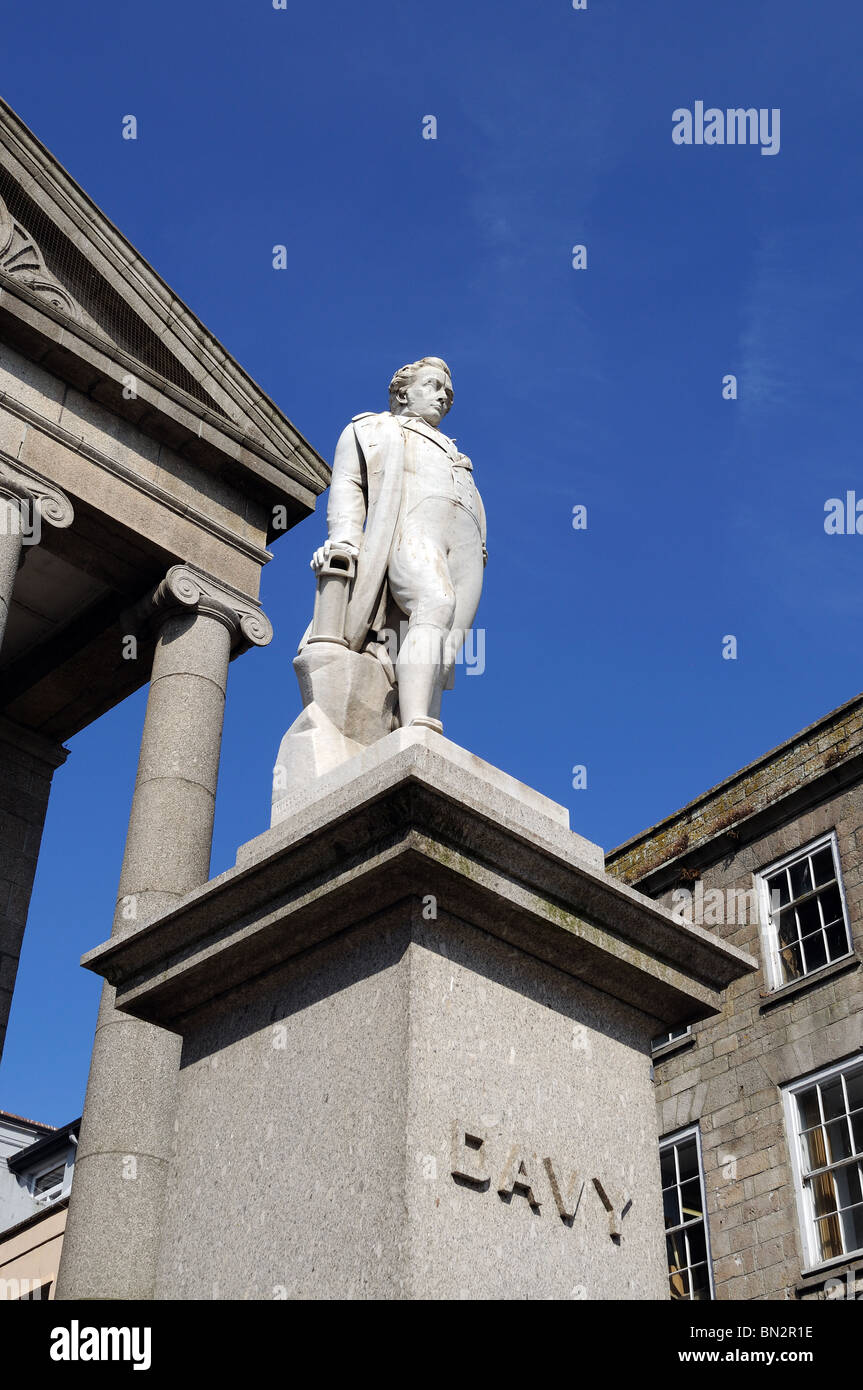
point(812, 1260)
point(666, 1141)
point(55, 1192)
point(769, 930)
point(671, 1040)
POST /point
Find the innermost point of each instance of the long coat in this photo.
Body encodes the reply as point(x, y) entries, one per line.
point(364, 504)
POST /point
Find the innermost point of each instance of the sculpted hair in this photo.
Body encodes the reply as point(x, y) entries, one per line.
point(405, 375)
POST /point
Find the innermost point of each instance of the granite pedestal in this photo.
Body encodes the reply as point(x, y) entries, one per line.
point(416, 1019)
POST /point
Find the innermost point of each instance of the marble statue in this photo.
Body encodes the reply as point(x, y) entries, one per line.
point(398, 580)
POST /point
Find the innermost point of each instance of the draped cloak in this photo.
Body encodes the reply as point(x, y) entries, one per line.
point(365, 501)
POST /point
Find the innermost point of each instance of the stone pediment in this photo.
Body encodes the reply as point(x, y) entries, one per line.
point(21, 259)
point(75, 295)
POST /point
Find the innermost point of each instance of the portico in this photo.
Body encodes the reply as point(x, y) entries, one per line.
point(142, 477)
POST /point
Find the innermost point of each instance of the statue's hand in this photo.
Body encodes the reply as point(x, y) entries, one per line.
point(320, 557)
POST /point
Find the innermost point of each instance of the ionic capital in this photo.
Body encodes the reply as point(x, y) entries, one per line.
point(21, 484)
point(186, 587)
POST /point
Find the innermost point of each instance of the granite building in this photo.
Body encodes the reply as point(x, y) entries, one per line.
point(142, 473)
point(761, 1107)
point(37, 1162)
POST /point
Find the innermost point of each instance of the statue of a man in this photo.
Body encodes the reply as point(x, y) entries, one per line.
point(404, 502)
point(399, 581)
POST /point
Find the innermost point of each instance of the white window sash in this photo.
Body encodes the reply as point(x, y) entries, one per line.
point(666, 1142)
point(769, 929)
point(802, 1176)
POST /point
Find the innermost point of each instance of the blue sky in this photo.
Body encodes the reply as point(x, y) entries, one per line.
point(600, 386)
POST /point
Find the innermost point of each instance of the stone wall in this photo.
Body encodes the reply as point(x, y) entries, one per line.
point(114, 467)
point(824, 753)
point(728, 1077)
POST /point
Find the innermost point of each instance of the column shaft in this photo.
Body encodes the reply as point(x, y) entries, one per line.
point(27, 764)
point(115, 1214)
point(28, 760)
point(10, 555)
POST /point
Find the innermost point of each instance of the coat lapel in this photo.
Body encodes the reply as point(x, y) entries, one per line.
point(381, 442)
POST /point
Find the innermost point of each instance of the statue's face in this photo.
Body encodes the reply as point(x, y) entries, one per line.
point(429, 395)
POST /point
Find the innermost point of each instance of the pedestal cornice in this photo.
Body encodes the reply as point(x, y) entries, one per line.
point(412, 823)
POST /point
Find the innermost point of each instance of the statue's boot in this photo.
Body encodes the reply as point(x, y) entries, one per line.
point(418, 673)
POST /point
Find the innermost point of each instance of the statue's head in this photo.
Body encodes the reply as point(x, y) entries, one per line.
point(422, 388)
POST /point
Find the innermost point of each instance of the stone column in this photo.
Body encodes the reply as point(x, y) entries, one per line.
point(27, 761)
point(126, 1137)
point(10, 554)
point(26, 501)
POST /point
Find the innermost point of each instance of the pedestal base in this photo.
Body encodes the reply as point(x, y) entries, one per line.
point(416, 1022)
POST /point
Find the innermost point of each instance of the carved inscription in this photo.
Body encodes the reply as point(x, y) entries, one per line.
point(482, 1160)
